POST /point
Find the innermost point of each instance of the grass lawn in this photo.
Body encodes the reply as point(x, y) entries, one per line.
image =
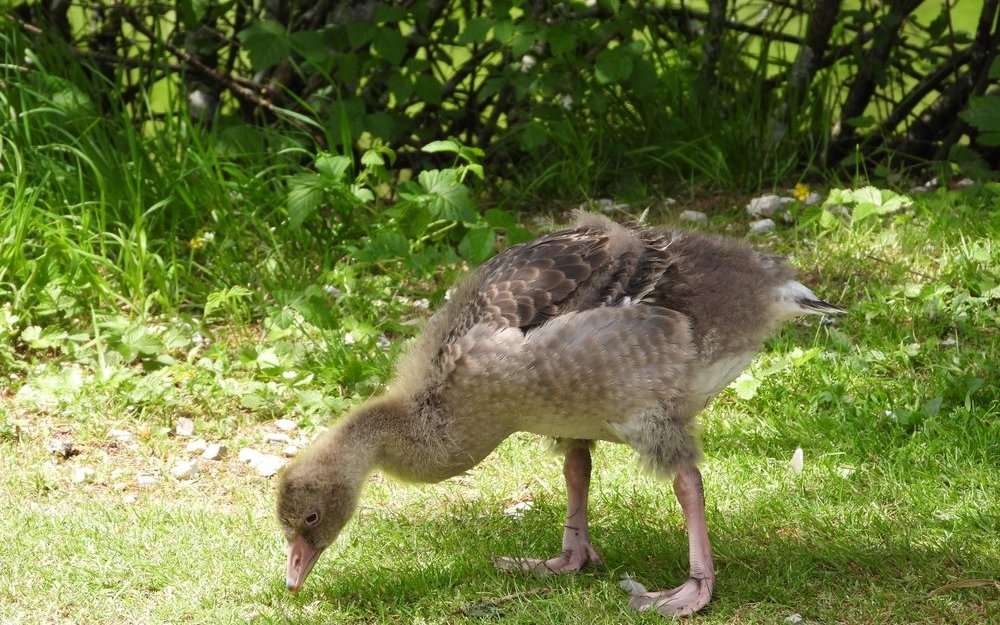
point(894, 517)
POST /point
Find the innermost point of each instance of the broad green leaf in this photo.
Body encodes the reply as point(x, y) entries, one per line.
point(983, 113)
point(475, 31)
point(448, 198)
point(503, 30)
point(333, 167)
point(372, 158)
point(305, 195)
point(827, 219)
point(862, 211)
point(266, 43)
point(613, 65)
point(428, 89)
point(477, 245)
point(400, 86)
point(389, 45)
point(561, 39)
point(746, 386)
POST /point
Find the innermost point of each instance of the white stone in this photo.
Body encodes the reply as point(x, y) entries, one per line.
point(796, 463)
point(123, 435)
point(145, 480)
point(196, 446)
point(130, 499)
point(518, 510)
point(249, 456)
point(267, 465)
point(60, 447)
point(214, 451)
point(277, 437)
point(185, 470)
point(694, 216)
point(290, 450)
point(285, 425)
point(82, 474)
point(764, 206)
point(794, 619)
point(812, 199)
point(763, 226)
point(184, 427)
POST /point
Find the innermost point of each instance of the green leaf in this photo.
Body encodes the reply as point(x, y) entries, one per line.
point(389, 45)
point(305, 195)
point(932, 407)
point(359, 33)
point(266, 43)
point(989, 139)
point(503, 30)
point(447, 197)
point(995, 69)
point(400, 86)
point(428, 89)
point(333, 167)
point(862, 211)
point(137, 341)
point(746, 386)
point(613, 65)
point(477, 244)
point(475, 31)
point(561, 40)
point(372, 158)
point(447, 145)
point(983, 113)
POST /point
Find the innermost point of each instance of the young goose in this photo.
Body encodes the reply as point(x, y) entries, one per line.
point(600, 332)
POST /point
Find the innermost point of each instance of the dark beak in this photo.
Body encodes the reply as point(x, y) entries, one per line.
point(301, 558)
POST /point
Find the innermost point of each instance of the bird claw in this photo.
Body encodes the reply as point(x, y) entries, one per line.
point(571, 561)
point(686, 599)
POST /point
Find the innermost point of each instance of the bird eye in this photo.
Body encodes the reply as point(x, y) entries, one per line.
point(312, 519)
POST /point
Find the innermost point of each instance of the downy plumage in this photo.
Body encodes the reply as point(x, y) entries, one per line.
point(606, 332)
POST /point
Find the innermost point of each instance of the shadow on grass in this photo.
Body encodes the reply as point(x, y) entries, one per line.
point(879, 571)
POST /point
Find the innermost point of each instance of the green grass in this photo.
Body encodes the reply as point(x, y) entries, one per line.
point(897, 412)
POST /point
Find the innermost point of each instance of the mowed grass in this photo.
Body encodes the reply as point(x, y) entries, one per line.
point(894, 518)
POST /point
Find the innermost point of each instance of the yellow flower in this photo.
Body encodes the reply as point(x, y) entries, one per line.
point(196, 243)
point(801, 192)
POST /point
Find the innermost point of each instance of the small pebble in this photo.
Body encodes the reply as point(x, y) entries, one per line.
point(60, 448)
point(196, 446)
point(82, 474)
point(763, 226)
point(123, 435)
point(694, 216)
point(249, 456)
point(145, 480)
point(277, 437)
point(794, 619)
point(764, 206)
point(130, 499)
point(796, 463)
point(267, 465)
point(214, 451)
point(185, 470)
point(285, 425)
point(184, 427)
point(517, 511)
point(289, 451)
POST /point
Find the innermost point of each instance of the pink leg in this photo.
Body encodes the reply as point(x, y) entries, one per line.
point(577, 551)
point(696, 592)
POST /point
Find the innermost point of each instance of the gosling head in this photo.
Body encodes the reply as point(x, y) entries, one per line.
point(313, 507)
